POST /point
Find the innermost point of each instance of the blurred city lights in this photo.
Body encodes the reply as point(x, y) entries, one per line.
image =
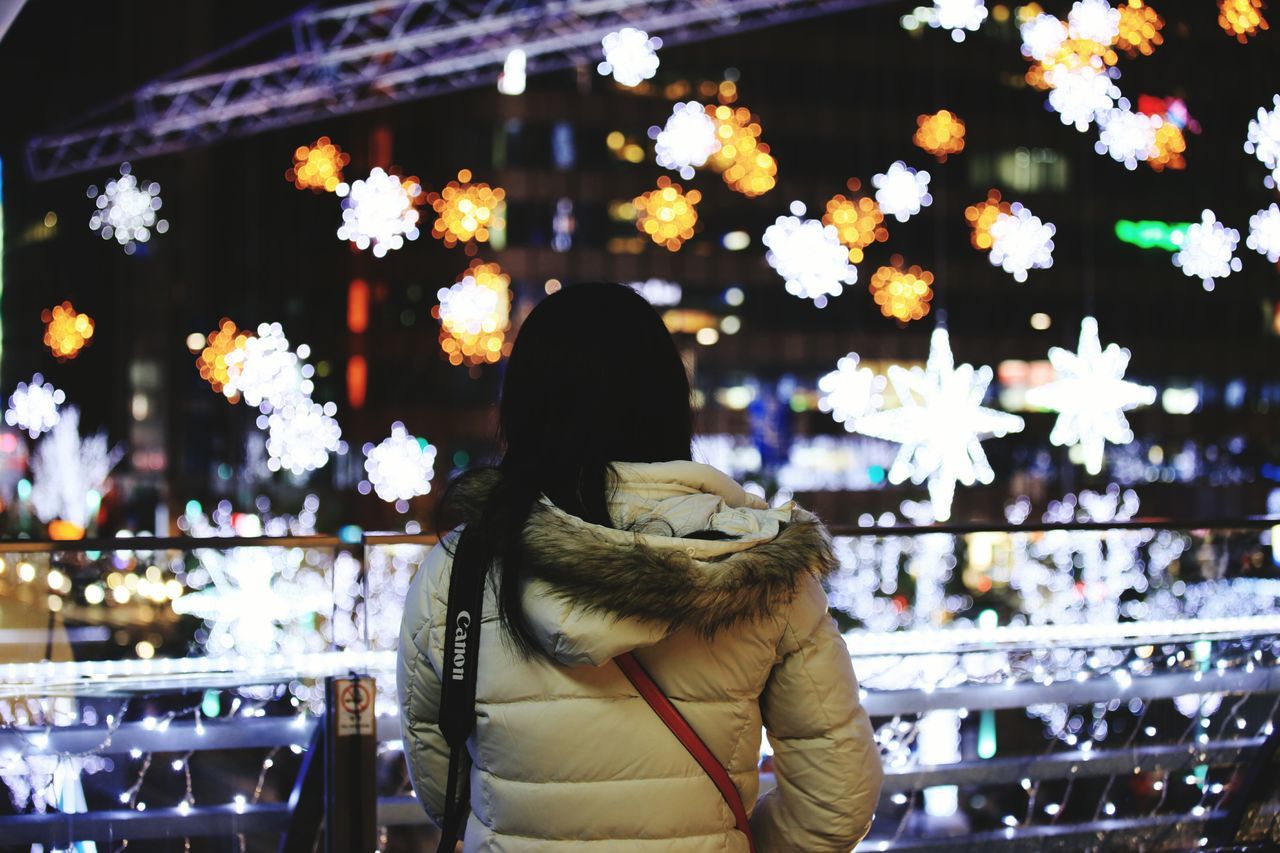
point(809, 256)
point(902, 191)
point(667, 214)
point(126, 210)
point(400, 466)
point(1208, 250)
point(630, 55)
point(379, 212)
point(467, 211)
point(958, 16)
point(512, 79)
point(1152, 234)
point(1139, 29)
point(1264, 233)
point(475, 314)
point(1263, 141)
point(318, 166)
point(687, 140)
point(301, 435)
point(850, 391)
point(902, 294)
point(941, 134)
point(35, 406)
point(212, 360)
point(658, 291)
point(1021, 242)
point(1127, 136)
point(1241, 19)
point(742, 159)
point(982, 216)
point(66, 331)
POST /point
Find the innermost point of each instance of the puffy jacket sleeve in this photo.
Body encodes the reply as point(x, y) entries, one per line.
point(418, 682)
point(824, 752)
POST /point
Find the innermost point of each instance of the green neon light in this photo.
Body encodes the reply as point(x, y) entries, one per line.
point(987, 734)
point(1152, 233)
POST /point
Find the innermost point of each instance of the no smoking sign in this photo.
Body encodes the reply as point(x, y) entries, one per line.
point(353, 711)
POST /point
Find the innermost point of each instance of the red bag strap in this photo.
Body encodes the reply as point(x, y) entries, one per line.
point(667, 712)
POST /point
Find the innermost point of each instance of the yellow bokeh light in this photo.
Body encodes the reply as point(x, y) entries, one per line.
point(743, 160)
point(941, 134)
point(667, 214)
point(318, 166)
point(1241, 19)
point(902, 295)
point(467, 211)
point(1072, 55)
point(212, 361)
point(858, 222)
point(66, 331)
point(1140, 27)
point(1170, 145)
point(982, 216)
point(465, 337)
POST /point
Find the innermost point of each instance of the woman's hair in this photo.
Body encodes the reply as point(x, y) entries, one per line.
point(594, 378)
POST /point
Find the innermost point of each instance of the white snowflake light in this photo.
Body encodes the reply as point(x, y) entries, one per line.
point(1080, 94)
point(1128, 137)
point(1042, 36)
point(266, 372)
point(68, 472)
point(471, 308)
point(1021, 242)
point(809, 255)
point(301, 435)
point(379, 212)
point(34, 407)
point(1263, 140)
point(940, 424)
point(401, 466)
point(1091, 395)
point(958, 16)
point(902, 191)
point(686, 140)
point(1208, 250)
point(630, 56)
point(126, 210)
point(849, 391)
point(1264, 233)
point(1094, 20)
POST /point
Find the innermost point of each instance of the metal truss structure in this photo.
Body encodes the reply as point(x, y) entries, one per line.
point(335, 61)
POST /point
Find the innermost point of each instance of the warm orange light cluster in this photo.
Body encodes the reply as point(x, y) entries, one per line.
point(479, 340)
point(66, 331)
point(1073, 54)
point(1241, 19)
point(667, 214)
point(982, 216)
point(212, 361)
point(743, 160)
point(858, 223)
point(1140, 27)
point(941, 134)
point(317, 166)
point(902, 295)
point(467, 211)
point(1170, 145)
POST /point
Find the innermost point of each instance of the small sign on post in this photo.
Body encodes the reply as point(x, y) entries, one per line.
point(351, 804)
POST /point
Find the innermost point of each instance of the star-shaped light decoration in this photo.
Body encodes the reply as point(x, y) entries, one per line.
point(849, 392)
point(940, 424)
point(1091, 395)
point(1208, 250)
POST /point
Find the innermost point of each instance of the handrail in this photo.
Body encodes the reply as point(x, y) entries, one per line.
point(162, 543)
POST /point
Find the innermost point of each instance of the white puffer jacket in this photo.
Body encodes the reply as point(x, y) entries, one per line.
point(566, 755)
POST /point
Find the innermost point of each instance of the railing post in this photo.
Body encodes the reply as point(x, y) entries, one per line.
point(350, 744)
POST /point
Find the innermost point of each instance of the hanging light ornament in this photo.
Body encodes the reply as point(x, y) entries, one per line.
point(1263, 141)
point(858, 222)
point(1094, 20)
point(35, 407)
point(687, 140)
point(809, 256)
point(301, 435)
point(667, 214)
point(982, 216)
point(318, 166)
point(266, 372)
point(1139, 30)
point(902, 295)
point(742, 159)
point(66, 331)
point(1042, 36)
point(400, 467)
point(474, 315)
point(1208, 250)
point(1241, 19)
point(1127, 136)
point(1170, 145)
point(1079, 95)
point(1264, 233)
point(126, 210)
point(1021, 242)
point(379, 212)
point(902, 191)
point(212, 361)
point(850, 392)
point(630, 55)
point(940, 134)
point(467, 211)
point(958, 16)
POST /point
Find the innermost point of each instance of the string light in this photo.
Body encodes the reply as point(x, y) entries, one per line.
point(902, 191)
point(850, 391)
point(667, 214)
point(378, 212)
point(126, 210)
point(1263, 141)
point(474, 315)
point(1264, 233)
point(1208, 250)
point(958, 16)
point(318, 166)
point(687, 140)
point(809, 256)
point(212, 361)
point(401, 466)
point(742, 159)
point(858, 222)
point(35, 406)
point(1021, 242)
point(1139, 29)
point(1241, 19)
point(902, 295)
point(941, 134)
point(630, 55)
point(982, 216)
point(467, 211)
point(66, 331)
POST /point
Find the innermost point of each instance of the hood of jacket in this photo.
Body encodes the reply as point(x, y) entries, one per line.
point(595, 592)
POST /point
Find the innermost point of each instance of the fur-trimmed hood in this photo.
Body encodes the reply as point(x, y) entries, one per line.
point(596, 592)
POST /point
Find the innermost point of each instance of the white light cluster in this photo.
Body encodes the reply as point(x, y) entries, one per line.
point(958, 16)
point(68, 473)
point(379, 212)
point(266, 372)
point(1263, 140)
point(126, 210)
point(1042, 36)
point(809, 256)
point(902, 191)
point(470, 307)
point(1208, 250)
point(686, 140)
point(850, 392)
point(658, 291)
point(1127, 136)
point(401, 466)
point(1021, 242)
point(630, 55)
point(34, 406)
point(1080, 94)
point(1094, 20)
point(1264, 233)
point(301, 435)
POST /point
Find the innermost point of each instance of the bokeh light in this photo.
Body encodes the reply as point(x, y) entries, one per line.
point(958, 16)
point(1140, 27)
point(66, 331)
point(1264, 233)
point(318, 166)
point(1170, 145)
point(809, 256)
point(667, 214)
point(858, 222)
point(400, 466)
point(902, 191)
point(1126, 136)
point(941, 134)
point(267, 372)
point(126, 210)
point(1208, 250)
point(902, 294)
point(474, 315)
point(467, 211)
point(1020, 241)
point(35, 407)
point(743, 159)
point(379, 212)
point(1263, 140)
point(1241, 19)
point(982, 216)
point(630, 55)
point(301, 435)
point(212, 361)
point(687, 140)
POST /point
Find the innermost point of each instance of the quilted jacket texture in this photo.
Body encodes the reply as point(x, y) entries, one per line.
point(566, 755)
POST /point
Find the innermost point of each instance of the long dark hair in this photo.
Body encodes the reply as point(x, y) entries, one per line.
point(594, 378)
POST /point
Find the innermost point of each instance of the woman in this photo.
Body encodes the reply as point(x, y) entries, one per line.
point(602, 537)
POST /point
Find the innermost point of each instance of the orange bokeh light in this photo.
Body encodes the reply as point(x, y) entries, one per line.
point(667, 214)
point(318, 166)
point(982, 216)
point(941, 134)
point(858, 223)
point(212, 361)
point(467, 211)
point(66, 331)
point(902, 294)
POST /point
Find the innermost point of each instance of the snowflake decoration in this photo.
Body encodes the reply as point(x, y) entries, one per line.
point(1264, 233)
point(66, 469)
point(902, 191)
point(1042, 36)
point(401, 466)
point(34, 406)
point(1127, 136)
point(1021, 242)
point(126, 210)
point(850, 392)
point(809, 256)
point(266, 372)
point(379, 212)
point(1080, 94)
point(1263, 140)
point(1091, 396)
point(630, 56)
point(940, 424)
point(1094, 20)
point(1208, 250)
point(687, 139)
point(958, 16)
point(301, 436)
